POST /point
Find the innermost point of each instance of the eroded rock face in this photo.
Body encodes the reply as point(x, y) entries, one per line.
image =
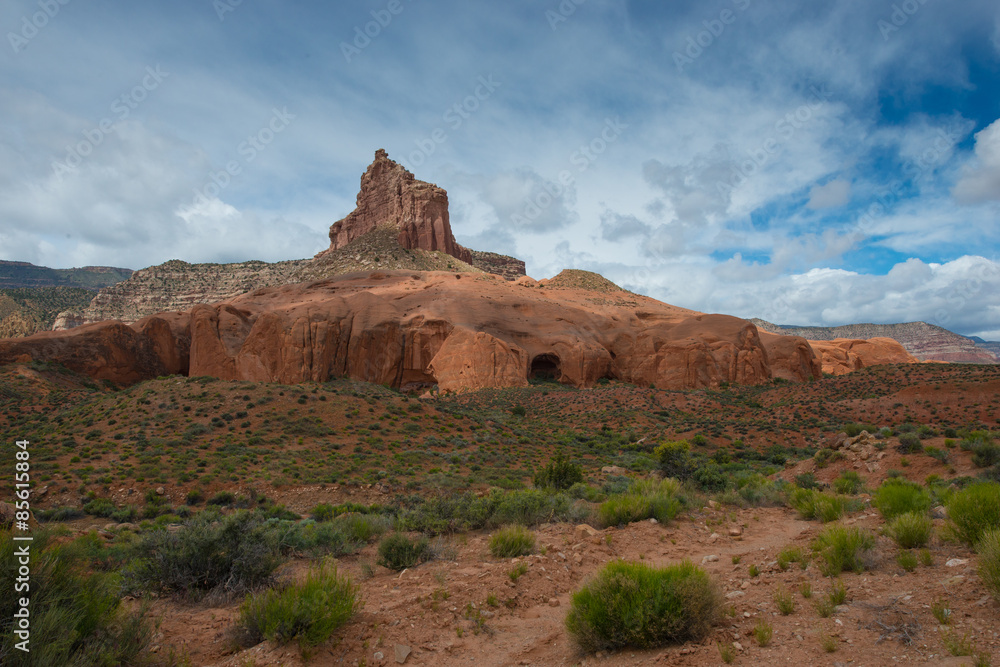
point(841, 356)
point(390, 195)
point(412, 329)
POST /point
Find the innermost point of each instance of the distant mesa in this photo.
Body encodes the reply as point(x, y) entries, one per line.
point(926, 342)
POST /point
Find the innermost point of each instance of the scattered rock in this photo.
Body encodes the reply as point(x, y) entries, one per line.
point(957, 562)
point(583, 531)
point(736, 531)
point(553, 602)
point(402, 652)
point(710, 559)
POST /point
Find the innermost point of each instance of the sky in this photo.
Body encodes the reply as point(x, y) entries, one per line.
point(817, 164)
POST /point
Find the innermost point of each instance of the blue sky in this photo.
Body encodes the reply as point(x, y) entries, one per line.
point(823, 164)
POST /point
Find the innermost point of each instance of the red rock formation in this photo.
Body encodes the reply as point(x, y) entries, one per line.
point(407, 329)
point(390, 195)
point(844, 355)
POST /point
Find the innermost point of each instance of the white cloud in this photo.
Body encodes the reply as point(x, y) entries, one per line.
point(980, 182)
point(833, 194)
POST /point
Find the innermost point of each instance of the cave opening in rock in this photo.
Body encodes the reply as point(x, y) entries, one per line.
point(545, 367)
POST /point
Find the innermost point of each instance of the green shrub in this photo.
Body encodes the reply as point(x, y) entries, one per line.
point(792, 554)
point(398, 552)
point(76, 617)
point(910, 530)
point(909, 443)
point(194, 497)
point(974, 510)
point(512, 541)
point(848, 483)
point(100, 507)
point(843, 548)
point(310, 611)
point(763, 632)
point(645, 499)
point(633, 604)
point(322, 512)
point(222, 498)
point(806, 480)
point(235, 553)
point(989, 561)
point(812, 504)
point(674, 459)
point(560, 473)
point(907, 560)
point(784, 601)
point(986, 455)
point(898, 496)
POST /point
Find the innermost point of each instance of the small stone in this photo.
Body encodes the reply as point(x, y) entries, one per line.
point(738, 646)
point(736, 531)
point(710, 559)
point(379, 655)
point(713, 537)
point(553, 602)
point(583, 531)
point(957, 562)
point(160, 491)
point(402, 652)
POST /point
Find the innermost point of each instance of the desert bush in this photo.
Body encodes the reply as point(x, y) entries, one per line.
point(843, 548)
point(674, 459)
point(633, 604)
point(512, 541)
point(909, 443)
point(907, 560)
point(898, 496)
point(758, 491)
point(645, 499)
point(235, 554)
point(986, 455)
point(848, 483)
point(806, 480)
point(975, 510)
point(763, 632)
point(910, 530)
point(560, 474)
point(792, 554)
point(398, 552)
point(812, 504)
point(309, 612)
point(76, 617)
point(989, 561)
point(100, 507)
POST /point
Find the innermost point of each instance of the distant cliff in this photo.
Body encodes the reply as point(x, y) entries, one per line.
point(926, 342)
point(177, 285)
point(22, 274)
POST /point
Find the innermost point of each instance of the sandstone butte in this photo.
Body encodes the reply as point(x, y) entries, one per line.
point(391, 195)
point(452, 330)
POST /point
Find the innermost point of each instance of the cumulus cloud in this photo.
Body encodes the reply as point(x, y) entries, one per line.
point(616, 226)
point(980, 182)
point(525, 201)
point(833, 194)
